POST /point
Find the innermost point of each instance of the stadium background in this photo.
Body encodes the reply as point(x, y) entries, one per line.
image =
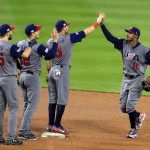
point(93, 119)
point(96, 65)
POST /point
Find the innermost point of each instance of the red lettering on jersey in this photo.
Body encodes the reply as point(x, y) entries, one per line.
point(25, 61)
point(1, 59)
point(59, 52)
point(137, 66)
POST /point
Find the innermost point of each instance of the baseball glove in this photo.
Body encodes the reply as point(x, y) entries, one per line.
point(146, 84)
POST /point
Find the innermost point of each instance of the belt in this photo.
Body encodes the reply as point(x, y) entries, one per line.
point(131, 76)
point(62, 66)
point(30, 72)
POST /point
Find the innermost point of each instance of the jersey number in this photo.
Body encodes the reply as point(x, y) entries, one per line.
point(25, 61)
point(1, 59)
point(59, 52)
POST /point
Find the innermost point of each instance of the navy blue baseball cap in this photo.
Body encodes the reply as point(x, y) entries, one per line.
point(5, 28)
point(133, 30)
point(60, 24)
point(31, 28)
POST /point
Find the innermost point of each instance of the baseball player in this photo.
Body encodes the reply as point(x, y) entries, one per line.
point(58, 81)
point(30, 76)
point(8, 83)
point(135, 58)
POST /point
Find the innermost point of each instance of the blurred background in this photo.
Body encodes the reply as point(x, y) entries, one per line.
point(96, 65)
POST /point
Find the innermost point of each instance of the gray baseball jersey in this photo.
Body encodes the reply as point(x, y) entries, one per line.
point(33, 62)
point(134, 67)
point(58, 83)
point(30, 81)
point(7, 62)
point(8, 86)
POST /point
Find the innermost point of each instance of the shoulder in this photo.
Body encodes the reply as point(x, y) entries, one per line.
point(49, 41)
point(22, 43)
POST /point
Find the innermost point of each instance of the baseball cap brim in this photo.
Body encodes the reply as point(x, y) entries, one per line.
point(129, 31)
point(12, 28)
point(68, 23)
point(38, 27)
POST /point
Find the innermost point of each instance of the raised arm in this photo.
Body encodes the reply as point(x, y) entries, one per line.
point(118, 43)
point(78, 36)
point(108, 35)
point(49, 53)
point(93, 27)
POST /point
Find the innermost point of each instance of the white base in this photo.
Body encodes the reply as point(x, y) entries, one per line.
point(46, 134)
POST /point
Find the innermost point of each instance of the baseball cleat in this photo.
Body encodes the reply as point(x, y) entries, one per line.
point(60, 130)
point(140, 120)
point(50, 128)
point(132, 134)
point(13, 142)
point(2, 141)
point(29, 136)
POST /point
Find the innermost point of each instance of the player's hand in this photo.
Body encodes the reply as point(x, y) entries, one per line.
point(101, 16)
point(55, 35)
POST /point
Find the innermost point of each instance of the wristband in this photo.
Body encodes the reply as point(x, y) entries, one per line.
point(96, 24)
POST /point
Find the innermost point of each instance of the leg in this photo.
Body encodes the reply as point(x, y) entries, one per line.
point(52, 102)
point(32, 83)
point(133, 114)
point(62, 85)
point(12, 97)
point(24, 91)
point(3, 103)
point(123, 96)
point(131, 103)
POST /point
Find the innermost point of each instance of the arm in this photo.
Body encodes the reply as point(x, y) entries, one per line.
point(26, 52)
point(108, 35)
point(49, 53)
point(78, 36)
point(48, 65)
point(94, 26)
point(118, 43)
point(147, 57)
point(44, 51)
point(16, 51)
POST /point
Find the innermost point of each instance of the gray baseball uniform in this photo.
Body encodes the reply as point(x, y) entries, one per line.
point(134, 67)
point(30, 81)
point(135, 60)
point(134, 70)
point(8, 86)
point(58, 83)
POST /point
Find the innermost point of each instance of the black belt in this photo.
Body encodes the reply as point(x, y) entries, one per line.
point(131, 76)
point(30, 72)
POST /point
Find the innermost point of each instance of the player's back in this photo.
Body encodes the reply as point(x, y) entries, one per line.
point(7, 62)
point(64, 52)
point(33, 62)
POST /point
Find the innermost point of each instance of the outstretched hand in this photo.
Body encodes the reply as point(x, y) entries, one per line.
point(101, 16)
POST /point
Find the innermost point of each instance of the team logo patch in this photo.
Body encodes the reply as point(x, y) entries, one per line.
point(130, 56)
point(61, 40)
point(18, 50)
point(46, 50)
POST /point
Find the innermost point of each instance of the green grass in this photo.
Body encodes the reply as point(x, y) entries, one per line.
point(96, 65)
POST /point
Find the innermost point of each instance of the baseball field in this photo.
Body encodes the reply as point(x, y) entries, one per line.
point(93, 118)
